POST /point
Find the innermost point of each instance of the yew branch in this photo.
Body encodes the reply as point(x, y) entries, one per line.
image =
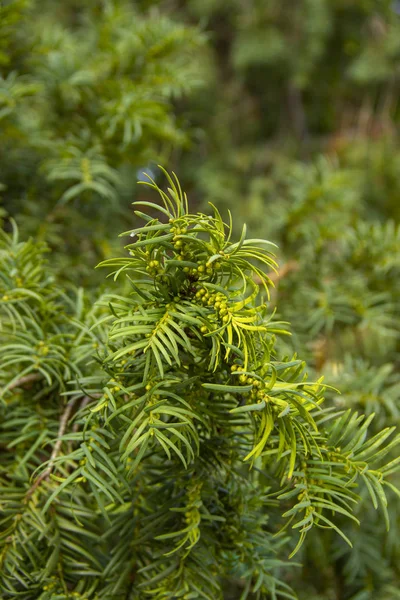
point(56, 450)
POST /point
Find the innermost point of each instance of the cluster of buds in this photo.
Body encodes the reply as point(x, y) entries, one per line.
point(50, 585)
point(204, 267)
point(154, 268)
point(114, 388)
point(218, 301)
point(204, 270)
point(335, 456)
point(177, 231)
point(192, 513)
point(257, 393)
point(176, 241)
point(86, 171)
point(42, 349)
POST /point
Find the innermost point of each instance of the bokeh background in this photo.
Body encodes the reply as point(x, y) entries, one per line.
point(286, 112)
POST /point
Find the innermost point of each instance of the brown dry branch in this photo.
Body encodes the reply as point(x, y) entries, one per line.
point(275, 277)
point(22, 381)
point(57, 447)
point(289, 267)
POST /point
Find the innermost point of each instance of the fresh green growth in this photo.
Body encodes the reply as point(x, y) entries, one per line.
point(158, 445)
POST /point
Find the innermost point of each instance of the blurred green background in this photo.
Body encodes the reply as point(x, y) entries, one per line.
point(287, 113)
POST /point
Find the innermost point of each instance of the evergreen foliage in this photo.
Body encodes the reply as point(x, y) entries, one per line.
point(341, 293)
point(287, 114)
point(159, 444)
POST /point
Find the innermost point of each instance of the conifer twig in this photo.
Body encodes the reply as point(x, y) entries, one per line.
point(24, 380)
point(290, 266)
point(56, 450)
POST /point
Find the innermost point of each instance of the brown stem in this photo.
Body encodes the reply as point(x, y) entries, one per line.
point(24, 380)
point(56, 450)
point(288, 267)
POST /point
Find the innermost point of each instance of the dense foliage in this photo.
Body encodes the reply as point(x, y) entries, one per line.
point(128, 408)
point(86, 99)
point(163, 463)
